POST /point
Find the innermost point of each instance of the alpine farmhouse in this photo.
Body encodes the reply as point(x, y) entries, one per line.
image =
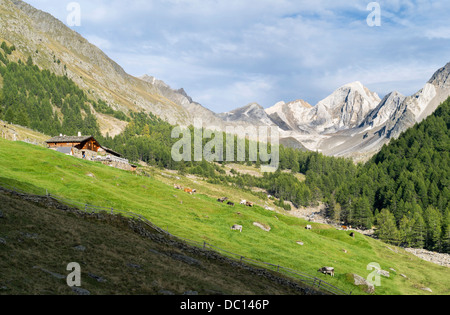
point(88, 148)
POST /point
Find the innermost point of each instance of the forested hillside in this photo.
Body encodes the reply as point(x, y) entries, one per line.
point(406, 186)
point(45, 102)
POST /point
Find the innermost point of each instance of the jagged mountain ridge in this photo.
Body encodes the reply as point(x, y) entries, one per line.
point(253, 113)
point(345, 108)
point(352, 122)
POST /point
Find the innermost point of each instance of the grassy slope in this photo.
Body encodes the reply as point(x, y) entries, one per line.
point(201, 218)
point(40, 239)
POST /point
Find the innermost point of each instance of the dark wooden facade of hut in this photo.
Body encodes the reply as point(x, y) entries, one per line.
point(81, 143)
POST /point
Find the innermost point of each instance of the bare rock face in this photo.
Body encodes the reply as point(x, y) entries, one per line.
point(385, 110)
point(346, 108)
point(252, 113)
point(353, 122)
point(440, 79)
point(290, 116)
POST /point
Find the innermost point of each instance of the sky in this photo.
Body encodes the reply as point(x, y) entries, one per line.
point(229, 53)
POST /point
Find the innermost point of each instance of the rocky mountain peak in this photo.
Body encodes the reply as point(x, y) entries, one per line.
point(441, 77)
point(300, 104)
point(385, 110)
point(345, 108)
point(292, 106)
point(351, 93)
point(251, 113)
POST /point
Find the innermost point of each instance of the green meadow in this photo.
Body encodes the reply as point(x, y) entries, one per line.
point(201, 218)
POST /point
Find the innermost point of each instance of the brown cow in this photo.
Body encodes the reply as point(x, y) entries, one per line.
point(249, 204)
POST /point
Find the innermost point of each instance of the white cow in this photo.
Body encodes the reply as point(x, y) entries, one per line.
point(237, 228)
point(327, 271)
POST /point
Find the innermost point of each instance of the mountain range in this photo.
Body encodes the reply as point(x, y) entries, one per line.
point(352, 122)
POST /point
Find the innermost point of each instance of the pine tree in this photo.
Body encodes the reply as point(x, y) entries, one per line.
point(418, 231)
point(22, 118)
point(446, 231)
point(386, 227)
point(433, 228)
point(362, 213)
point(406, 233)
point(10, 116)
point(29, 61)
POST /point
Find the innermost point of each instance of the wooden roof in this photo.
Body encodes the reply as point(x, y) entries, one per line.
point(74, 139)
point(68, 139)
point(111, 152)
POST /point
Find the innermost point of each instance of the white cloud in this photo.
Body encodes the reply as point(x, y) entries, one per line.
point(238, 93)
point(438, 33)
point(227, 53)
point(404, 78)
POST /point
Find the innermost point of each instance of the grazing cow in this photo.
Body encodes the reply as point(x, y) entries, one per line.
point(230, 203)
point(237, 228)
point(222, 200)
point(352, 235)
point(345, 228)
point(188, 190)
point(327, 271)
point(177, 187)
point(308, 227)
point(243, 202)
point(249, 204)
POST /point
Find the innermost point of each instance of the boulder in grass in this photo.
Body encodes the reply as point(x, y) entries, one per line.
point(363, 283)
point(263, 227)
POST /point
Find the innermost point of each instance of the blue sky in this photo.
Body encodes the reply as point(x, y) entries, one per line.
point(228, 53)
